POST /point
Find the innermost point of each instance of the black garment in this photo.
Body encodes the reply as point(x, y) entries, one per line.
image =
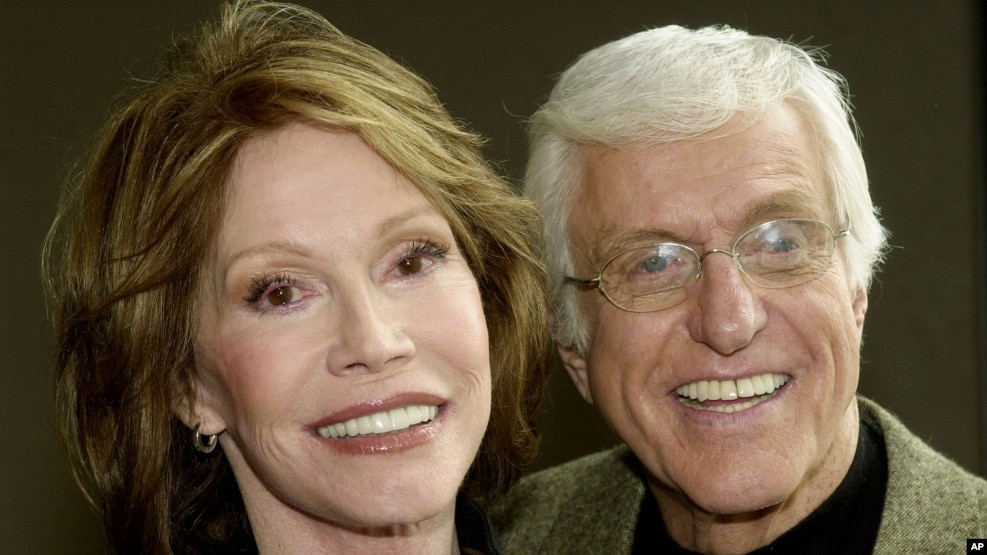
point(474, 530)
point(845, 524)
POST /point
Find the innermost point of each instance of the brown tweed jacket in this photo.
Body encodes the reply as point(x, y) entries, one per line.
point(590, 505)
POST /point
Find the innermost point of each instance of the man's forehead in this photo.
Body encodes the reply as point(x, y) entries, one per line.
point(777, 154)
point(700, 189)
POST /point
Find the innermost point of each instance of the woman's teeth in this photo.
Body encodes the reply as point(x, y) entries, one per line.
point(383, 422)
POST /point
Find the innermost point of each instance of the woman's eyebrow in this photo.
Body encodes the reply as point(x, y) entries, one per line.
point(280, 246)
point(412, 213)
point(291, 247)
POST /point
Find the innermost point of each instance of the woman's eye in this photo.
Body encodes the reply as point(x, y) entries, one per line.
point(282, 295)
point(411, 265)
point(274, 292)
point(422, 255)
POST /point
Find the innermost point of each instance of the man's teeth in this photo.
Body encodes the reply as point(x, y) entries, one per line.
point(380, 422)
point(729, 390)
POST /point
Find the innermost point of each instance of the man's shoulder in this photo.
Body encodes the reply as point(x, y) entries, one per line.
point(554, 508)
point(615, 464)
point(930, 500)
point(910, 458)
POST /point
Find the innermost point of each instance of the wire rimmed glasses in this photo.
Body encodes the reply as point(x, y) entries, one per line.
point(776, 254)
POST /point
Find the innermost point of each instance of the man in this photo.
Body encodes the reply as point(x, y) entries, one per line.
point(710, 226)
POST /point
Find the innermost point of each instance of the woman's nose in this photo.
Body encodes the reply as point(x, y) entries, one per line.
point(369, 332)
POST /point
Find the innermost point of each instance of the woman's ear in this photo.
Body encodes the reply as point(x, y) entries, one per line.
point(198, 407)
point(575, 364)
point(182, 408)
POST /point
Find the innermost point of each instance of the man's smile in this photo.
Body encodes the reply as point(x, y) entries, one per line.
point(755, 388)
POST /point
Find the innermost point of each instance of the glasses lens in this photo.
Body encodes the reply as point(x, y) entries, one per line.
point(784, 253)
point(780, 253)
point(649, 278)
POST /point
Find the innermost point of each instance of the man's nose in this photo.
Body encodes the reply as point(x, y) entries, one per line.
point(728, 313)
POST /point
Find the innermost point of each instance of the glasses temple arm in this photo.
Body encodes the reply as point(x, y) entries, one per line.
point(595, 282)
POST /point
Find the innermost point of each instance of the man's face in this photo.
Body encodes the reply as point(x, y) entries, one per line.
point(738, 455)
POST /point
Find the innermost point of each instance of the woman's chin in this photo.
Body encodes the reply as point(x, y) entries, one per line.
point(404, 511)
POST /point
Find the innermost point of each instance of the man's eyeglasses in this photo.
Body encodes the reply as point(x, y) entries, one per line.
point(775, 254)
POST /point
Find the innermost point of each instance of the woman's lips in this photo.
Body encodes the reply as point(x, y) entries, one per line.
point(392, 428)
point(382, 422)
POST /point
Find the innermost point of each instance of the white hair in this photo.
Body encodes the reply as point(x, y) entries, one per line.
point(673, 84)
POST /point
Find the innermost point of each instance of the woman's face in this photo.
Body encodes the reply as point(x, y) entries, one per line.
point(341, 344)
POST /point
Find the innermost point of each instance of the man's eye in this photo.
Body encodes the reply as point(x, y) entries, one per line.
point(662, 258)
point(782, 244)
point(654, 264)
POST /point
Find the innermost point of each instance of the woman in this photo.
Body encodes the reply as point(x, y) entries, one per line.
point(284, 246)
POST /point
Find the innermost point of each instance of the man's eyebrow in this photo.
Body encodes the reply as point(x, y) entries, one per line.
point(614, 240)
point(789, 203)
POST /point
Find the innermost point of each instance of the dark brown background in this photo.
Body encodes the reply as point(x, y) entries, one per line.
point(914, 69)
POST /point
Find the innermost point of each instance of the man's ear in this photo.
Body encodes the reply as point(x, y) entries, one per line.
point(575, 364)
point(860, 309)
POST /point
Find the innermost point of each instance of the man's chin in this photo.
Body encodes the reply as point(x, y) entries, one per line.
point(731, 494)
point(739, 504)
